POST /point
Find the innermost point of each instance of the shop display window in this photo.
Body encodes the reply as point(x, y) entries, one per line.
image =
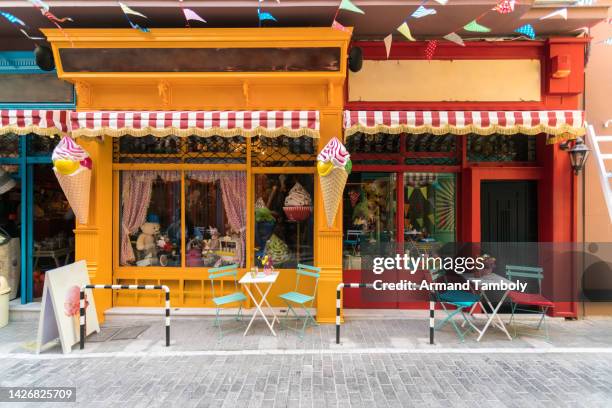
point(215, 206)
point(429, 149)
point(369, 213)
point(147, 149)
point(284, 220)
point(173, 149)
point(501, 148)
point(283, 151)
point(42, 145)
point(410, 149)
point(9, 146)
point(150, 218)
point(377, 143)
point(215, 149)
point(10, 201)
point(429, 209)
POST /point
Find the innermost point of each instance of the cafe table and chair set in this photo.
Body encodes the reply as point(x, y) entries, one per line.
point(458, 307)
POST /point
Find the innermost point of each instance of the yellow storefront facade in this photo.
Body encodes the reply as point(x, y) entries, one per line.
point(185, 173)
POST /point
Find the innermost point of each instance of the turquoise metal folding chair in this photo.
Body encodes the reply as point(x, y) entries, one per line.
point(301, 299)
point(538, 304)
point(235, 297)
point(352, 240)
point(454, 302)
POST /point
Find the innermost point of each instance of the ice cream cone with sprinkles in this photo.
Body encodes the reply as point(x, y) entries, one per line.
point(334, 166)
point(72, 167)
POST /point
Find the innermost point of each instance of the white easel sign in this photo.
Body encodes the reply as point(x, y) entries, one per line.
point(59, 312)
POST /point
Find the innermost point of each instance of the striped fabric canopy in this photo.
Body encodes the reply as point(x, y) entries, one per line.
point(558, 124)
point(41, 122)
point(205, 123)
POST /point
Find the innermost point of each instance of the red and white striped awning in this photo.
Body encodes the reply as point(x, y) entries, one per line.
point(188, 123)
point(564, 124)
point(41, 122)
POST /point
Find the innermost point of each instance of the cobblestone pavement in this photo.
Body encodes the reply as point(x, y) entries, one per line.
point(325, 380)
point(385, 363)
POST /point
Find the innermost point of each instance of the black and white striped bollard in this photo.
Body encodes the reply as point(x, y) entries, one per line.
point(432, 310)
point(119, 287)
point(339, 302)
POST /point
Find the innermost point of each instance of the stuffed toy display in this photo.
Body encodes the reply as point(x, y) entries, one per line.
point(146, 242)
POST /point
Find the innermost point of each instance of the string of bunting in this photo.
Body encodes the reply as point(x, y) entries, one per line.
point(502, 7)
point(45, 11)
point(17, 22)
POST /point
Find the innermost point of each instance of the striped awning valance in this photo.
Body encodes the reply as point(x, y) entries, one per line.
point(41, 122)
point(558, 124)
point(203, 123)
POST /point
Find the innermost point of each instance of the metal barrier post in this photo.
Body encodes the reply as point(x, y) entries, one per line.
point(339, 302)
point(82, 319)
point(432, 307)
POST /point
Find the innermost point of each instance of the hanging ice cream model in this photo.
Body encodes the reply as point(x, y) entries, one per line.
point(334, 166)
point(72, 167)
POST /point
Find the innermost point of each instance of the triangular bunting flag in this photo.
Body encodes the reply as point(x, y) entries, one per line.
point(40, 4)
point(192, 15)
point(337, 26)
point(505, 6)
point(137, 27)
point(424, 191)
point(264, 15)
point(53, 18)
point(423, 12)
point(583, 30)
point(127, 10)
point(405, 30)
point(454, 37)
point(526, 30)
point(608, 41)
point(557, 13)
point(410, 191)
point(12, 19)
point(475, 27)
point(348, 5)
point(24, 32)
point(442, 2)
point(388, 41)
point(430, 49)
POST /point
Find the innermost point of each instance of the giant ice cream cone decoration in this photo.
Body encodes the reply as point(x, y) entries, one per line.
point(72, 167)
point(333, 165)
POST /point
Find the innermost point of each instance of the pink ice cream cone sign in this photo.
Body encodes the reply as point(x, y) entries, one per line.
point(72, 302)
point(72, 167)
point(334, 166)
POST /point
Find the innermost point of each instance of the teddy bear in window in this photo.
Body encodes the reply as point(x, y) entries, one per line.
point(146, 242)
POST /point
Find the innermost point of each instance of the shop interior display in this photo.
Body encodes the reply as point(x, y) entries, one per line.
point(215, 218)
point(369, 208)
point(54, 222)
point(151, 219)
point(283, 221)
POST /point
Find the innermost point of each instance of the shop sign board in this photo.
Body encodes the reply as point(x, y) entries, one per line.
point(59, 313)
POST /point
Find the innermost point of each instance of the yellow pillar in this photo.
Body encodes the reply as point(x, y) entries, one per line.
point(94, 240)
point(328, 245)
